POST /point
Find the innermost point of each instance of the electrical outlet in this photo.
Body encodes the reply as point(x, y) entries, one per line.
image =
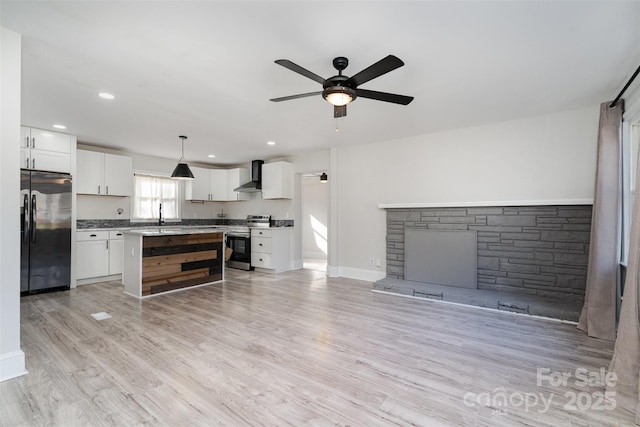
point(372, 261)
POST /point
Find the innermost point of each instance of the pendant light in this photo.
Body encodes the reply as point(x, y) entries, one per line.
point(323, 178)
point(182, 170)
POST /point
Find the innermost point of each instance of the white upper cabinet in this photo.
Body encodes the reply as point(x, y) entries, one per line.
point(104, 174)
point(277, 180)
point(118, 175)
point(90, 172)
point(219, 185)
point(216, 184)
point(198, 187)
point(45, 150)
point(237, 177)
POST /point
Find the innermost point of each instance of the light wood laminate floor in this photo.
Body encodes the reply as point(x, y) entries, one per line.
point(290, 349)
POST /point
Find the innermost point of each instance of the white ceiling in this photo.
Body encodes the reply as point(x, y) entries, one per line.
point(205, 68)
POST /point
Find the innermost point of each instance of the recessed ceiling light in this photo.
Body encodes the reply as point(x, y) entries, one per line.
point(271, 143)
point(211, 155)
point(59, 126)
point(106, 95)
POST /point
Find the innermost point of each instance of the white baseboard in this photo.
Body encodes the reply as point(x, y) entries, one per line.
point(314, 254)
point(12, 365)
point(92, 280)
point(296, 264)
point(333, 271)
point(361, 274)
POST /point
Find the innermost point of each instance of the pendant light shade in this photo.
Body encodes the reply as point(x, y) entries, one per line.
point(182, 170)
point(323, 178)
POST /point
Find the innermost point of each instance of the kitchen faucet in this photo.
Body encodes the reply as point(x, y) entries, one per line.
point(160, 220)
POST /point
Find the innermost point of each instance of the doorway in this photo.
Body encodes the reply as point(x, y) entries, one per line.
point(315, 217)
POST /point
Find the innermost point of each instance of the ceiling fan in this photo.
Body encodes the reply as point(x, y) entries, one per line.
point(340, 90)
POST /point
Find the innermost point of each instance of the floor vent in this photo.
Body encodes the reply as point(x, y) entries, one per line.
point(513, 307)
point(101, 316)
point(428, 295)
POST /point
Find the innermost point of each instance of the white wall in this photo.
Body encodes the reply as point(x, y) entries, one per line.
point(315, 217)
point(11, 356)
point(545, 158)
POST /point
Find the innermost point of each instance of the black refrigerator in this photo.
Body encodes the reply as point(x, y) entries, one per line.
point(45, 231)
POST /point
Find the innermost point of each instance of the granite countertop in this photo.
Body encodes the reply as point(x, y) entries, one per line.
point(164, 231)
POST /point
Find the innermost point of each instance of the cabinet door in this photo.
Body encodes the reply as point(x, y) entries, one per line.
point(198, 187)
point(277, 180)
point(92, 259)
point(50, 161)
point(25, 137)
point(25, 158)
point(116, 248)
point(118, 175)
point(219, 184)
point(237, 177)
point(90, 172)
point(50, 141)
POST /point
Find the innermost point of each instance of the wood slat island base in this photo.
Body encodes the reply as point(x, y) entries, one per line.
point(160, 261)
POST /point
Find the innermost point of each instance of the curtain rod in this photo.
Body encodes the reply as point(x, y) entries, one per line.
point(624, 89)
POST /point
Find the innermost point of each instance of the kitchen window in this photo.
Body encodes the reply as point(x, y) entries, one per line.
point(151, 190)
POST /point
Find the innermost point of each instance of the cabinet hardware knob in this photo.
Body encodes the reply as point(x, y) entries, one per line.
point(98, 189)
point(93, 235)
point(33, 142)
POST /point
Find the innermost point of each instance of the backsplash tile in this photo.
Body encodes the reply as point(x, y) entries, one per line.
point(125, 223)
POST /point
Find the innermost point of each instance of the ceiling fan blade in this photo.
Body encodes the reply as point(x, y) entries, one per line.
point(339, 111)
point(302, 95)
point(384, 96)
point(298, 69)
point(381, 67)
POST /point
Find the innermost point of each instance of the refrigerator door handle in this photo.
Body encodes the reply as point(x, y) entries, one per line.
point(25, 226)
point(34, 218)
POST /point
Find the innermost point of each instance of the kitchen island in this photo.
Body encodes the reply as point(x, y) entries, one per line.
point(165, 260)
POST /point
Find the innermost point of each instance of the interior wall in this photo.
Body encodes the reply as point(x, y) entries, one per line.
point(12, 362)
point(315, 216)
point(544, 158)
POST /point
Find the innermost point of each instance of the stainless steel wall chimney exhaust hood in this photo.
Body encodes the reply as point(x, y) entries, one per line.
point(256, 179)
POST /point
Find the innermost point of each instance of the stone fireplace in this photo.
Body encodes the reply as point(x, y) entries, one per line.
point(538, 251)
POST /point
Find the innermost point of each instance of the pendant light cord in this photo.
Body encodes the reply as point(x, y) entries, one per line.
point(182, 156)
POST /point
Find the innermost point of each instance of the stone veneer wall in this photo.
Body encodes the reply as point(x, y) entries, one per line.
point(538, 250)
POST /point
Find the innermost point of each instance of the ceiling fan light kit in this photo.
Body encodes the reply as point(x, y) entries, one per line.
point(340, 90)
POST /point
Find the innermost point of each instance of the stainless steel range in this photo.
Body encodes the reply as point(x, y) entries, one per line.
point(239, 240)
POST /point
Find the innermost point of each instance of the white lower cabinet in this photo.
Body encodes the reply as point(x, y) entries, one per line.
point(271, 249)
point(93, 254)
point(99, 254)
point(116, 252)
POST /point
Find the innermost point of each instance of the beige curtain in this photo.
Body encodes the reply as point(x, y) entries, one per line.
point(598, 317)
point(626, 357)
